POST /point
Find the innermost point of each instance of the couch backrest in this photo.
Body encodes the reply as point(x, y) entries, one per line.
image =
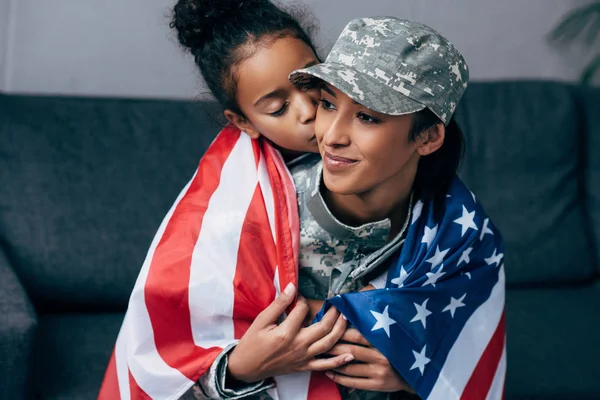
point(85, 184)
point(589, 106)
point(525, 161)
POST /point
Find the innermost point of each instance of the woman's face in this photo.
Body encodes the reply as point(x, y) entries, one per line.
point(364, 152)
point(274, 107)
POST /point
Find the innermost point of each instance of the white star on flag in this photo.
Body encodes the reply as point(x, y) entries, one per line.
point(429, 235)
point(420, 360)
point(473, 196)
point(400, 280)
point(485, 230)
point(383, 321)
point(417, 210)
point(466, 221)
point(438, 257)
point(494, 258)
point(464, 258)
point(433, 277)
point(422, 313)
point(454, 304)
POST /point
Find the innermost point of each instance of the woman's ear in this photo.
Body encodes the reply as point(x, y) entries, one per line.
point(242, 123)
point(431, 139)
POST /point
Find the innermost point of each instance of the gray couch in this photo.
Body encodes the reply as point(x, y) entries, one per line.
point(84, 184)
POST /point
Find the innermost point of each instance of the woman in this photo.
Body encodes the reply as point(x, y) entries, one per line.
point(390, 150)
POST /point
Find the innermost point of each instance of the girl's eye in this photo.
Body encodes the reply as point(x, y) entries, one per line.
point(366, 118)
point(281, 111)
point(326, 105)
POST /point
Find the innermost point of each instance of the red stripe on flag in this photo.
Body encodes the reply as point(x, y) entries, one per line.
point(136, 392)
point(110, 385)
point(256, 147)
point(481, 380)
point(321, 387)
point(166, 288)
point(287, 225)
point(253, 283)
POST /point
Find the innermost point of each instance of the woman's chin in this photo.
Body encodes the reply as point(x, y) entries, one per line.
point(338, 185)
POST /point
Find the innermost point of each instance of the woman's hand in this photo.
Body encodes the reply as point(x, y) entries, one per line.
point(268, 349)
point(370, 371)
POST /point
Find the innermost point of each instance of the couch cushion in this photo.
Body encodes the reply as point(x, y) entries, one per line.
point(590, 106)
point(85, 184)
point(552, 343)
point(523, 162)
point(72, 352)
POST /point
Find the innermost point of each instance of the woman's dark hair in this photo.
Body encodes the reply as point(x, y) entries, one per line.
point(436, 171)
point(221, 34)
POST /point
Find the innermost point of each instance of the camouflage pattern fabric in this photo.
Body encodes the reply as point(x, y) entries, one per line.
point(393, 66)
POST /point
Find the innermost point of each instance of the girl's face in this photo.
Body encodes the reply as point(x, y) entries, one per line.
point(274, 107)
point(366, 152)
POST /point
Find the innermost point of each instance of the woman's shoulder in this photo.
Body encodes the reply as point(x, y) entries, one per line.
point(306, 172)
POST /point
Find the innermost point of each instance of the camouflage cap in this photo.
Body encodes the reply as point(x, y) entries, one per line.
point(393, 66)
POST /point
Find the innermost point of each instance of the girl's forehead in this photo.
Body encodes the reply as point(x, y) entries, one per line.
point(266, 71)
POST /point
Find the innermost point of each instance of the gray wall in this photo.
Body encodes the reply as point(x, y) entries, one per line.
point(124, 47)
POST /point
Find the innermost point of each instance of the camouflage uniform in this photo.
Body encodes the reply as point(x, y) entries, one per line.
point(335, 258)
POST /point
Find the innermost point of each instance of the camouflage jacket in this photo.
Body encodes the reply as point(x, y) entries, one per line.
point(336, 258)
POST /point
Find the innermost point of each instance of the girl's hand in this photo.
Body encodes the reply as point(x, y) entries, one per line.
point(371, 370)
point(267, 349)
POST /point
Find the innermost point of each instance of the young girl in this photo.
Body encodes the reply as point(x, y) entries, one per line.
point(183, 320)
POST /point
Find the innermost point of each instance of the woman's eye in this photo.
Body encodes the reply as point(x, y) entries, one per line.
point(326, 105)
point(281, 111)
point(366, 118)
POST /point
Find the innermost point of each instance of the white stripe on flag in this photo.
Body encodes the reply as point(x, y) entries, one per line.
point(145, 363)
point(293, 386)
point(470, 345)
point(267, 192)
point(497, 388)
point(214, 259)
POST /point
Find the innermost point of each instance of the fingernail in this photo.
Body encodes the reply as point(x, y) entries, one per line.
point(344, 317)
point(289, 289)
point(349, 358)
point(329, 375)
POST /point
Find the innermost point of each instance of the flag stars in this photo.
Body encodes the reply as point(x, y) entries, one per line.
point(383, 321)
point(429, 235)
point(417, 211)
point(494, 258)
point(466, 221)
point(433, 277)
point(465, 257)
point(422, 313)
point(438, 257)
point(420, 360)
point(473, 196)
point(454, 304)
point(400, 280)
point(485, 230)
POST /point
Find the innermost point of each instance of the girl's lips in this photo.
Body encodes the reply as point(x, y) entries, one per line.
point(333, 162)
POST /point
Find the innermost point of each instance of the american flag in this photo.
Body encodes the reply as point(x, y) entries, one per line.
point(230, 242)
point(440, 318)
